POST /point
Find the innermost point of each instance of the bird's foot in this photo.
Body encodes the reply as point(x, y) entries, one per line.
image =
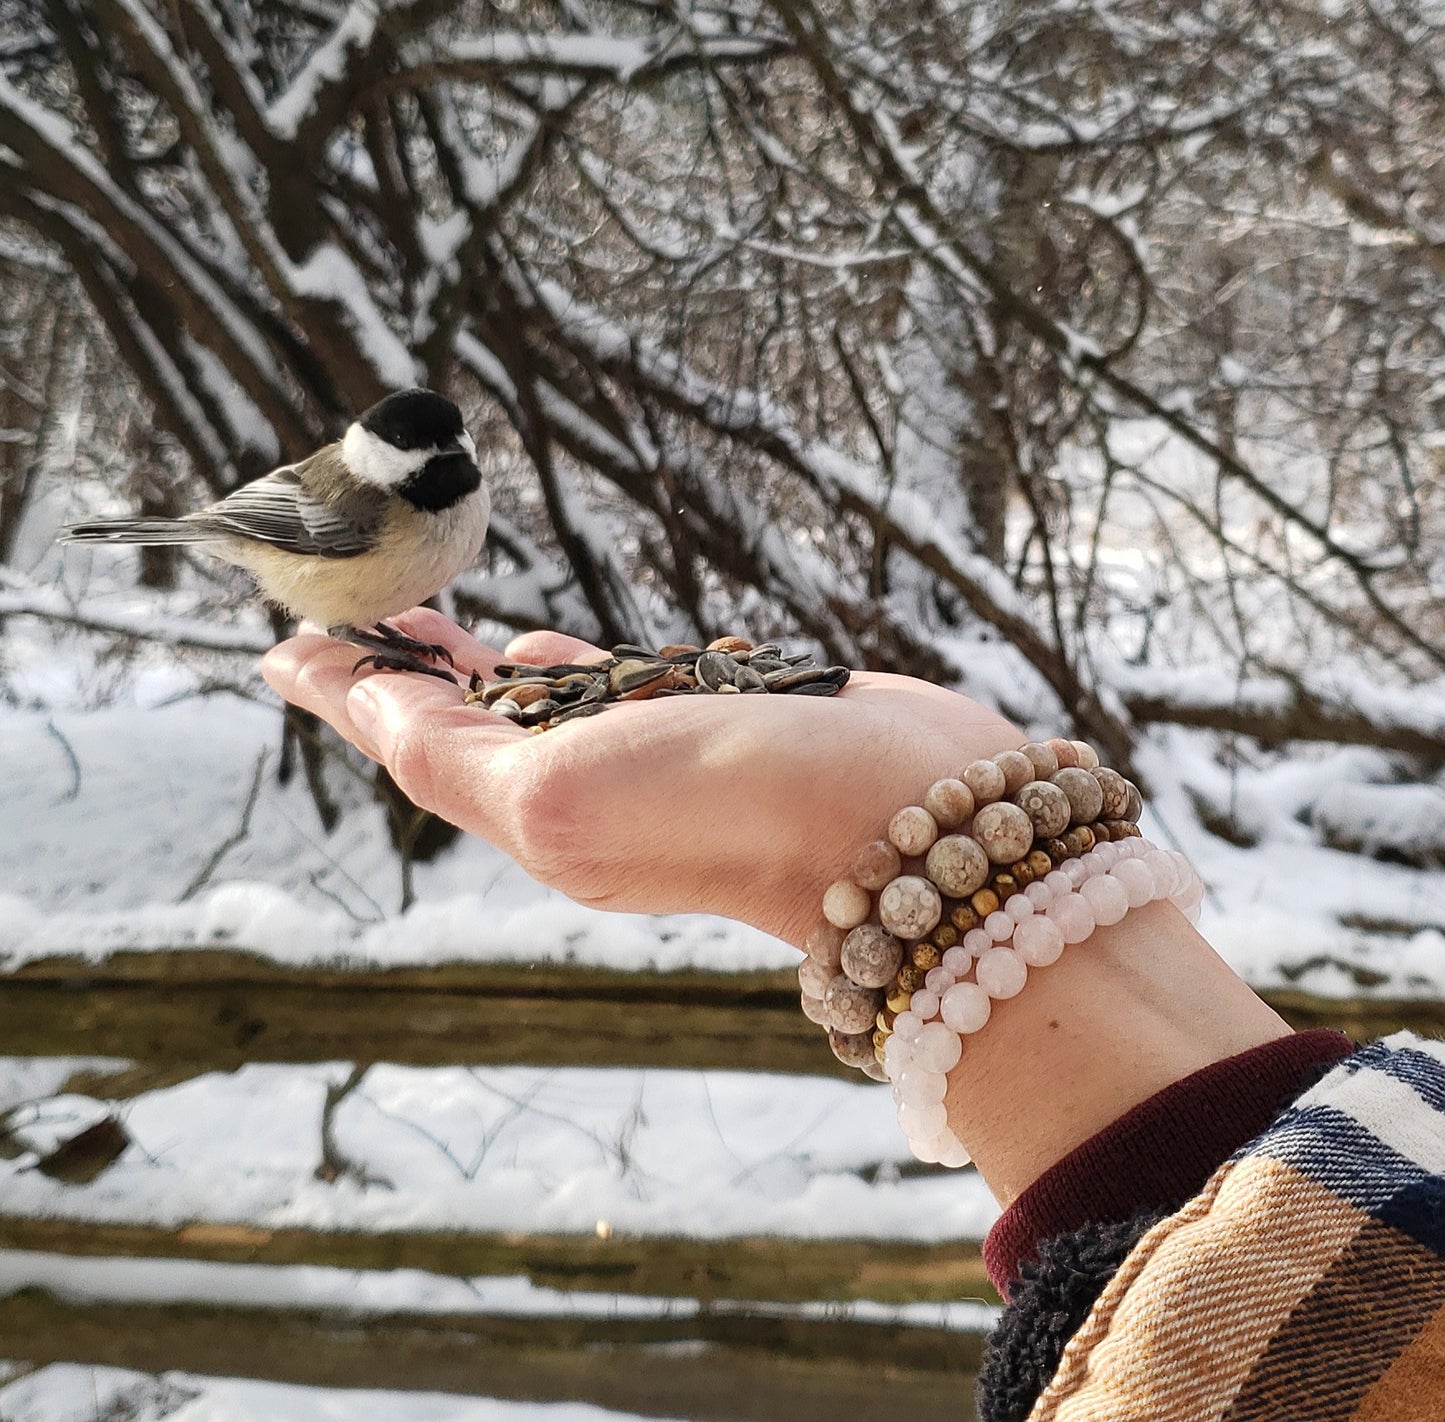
point(389, 649)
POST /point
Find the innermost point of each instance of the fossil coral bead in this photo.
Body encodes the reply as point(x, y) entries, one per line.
point(871, 956)
point(876, 864)
point(1017, 769)
point(1115, 791)
point(958, 864)
point(1086, 799)
point(846, 904)
point(851, 1008)
point(912, 830)
point(1047, 807)
point(985, 779)
point(1045, 761)
point(1004, 830)
point(950, 802)
point(910, 906)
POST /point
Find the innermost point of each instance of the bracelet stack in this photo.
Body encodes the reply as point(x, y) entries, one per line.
point(994, 873)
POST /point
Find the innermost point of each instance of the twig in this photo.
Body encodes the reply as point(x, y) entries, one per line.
point(203, 877)
point(335, 1163)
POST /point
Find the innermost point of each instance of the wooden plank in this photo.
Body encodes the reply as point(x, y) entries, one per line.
point(193, 1010)
point(711, 1367)
point(787, 1270)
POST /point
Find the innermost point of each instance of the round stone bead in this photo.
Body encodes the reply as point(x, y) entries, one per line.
point(985, 779)
point(965, 1007)
point(1019, 907)
point(958, 865)
point(1138, 882)
point(984, 902)
point(1047, 807)
point(1134, 805)
point(922, 1122)
point(924, 1004)
point(976, 941)
point(910, 906)
point(956, 1156)
point(1017, 769)
point(963, 916)
point(950, 802)
point(1165, 872)
point(1086, 757)
point(871, 956)
point(874, 1070)
point(910, 979)
point(1107, 897)
point(1045, 761)
point(999, 926)
point(846, 904)
point(1039, 941)
point(1085, 797)
point(814, 977)
point(1116, 792)
point(824, 941)
point(1039, 895)
point(939, 980)
point(851, 1008)
point(917, 1087)
point(1004, 830)
point(1058, 883)
point(898, 998)
point(906, 1026)
point(854, 1049)
point(912, 830)
point(1074, 917)
point(956, 961)
point(876, 864)
point(1001, 973)
point(1038, 861)
point(929, 1151)
point(937, 1048)
point(815, 1010)
point(1063, 752)
point(924, 956)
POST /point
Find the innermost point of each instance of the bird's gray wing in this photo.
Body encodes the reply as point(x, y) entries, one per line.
point(281, 510)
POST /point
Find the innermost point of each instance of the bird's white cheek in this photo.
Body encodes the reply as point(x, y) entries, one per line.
point(375, 462)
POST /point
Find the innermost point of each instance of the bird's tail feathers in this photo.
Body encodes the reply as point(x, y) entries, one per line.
point(154, 531)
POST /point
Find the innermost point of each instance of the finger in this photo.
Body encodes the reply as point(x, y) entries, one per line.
point(547, 649)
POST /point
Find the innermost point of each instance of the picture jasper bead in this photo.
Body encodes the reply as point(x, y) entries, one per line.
point(958, 864)
point(985, 779)
point(1017, 769)
point(1023, 876)
point(910, 978)
point(851, 1008)
point(964, 917)
point(1005, 886)
point(1039, 862)
point(876, 864)
point(950, 802)
point(871, 956)
point(1047, 807)
point(984, 903)
point(1086, 799)
point(899, 999)
point(1004, 830)
point(1115, 791)
point(1080, 840)
point(910, 906)
point(944, 936)
point(925, 956)
point(854, 1049)
point(912, 831)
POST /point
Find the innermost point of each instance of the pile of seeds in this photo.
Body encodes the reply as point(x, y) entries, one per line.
point(543, 697)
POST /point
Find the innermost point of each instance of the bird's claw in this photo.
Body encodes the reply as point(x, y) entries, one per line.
point(401, 661)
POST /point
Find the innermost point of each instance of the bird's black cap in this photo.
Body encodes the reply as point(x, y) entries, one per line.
point(414, 419)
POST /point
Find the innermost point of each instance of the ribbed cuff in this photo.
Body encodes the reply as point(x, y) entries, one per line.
point(1161, 1152)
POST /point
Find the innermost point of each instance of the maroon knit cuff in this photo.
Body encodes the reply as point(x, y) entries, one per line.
point(1160, 1153)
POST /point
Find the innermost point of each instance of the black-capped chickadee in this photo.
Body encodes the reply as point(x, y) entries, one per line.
point(361, 530)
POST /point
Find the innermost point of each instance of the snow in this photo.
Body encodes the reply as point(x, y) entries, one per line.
point(325, 65)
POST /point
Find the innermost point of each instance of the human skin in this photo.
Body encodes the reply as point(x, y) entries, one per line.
point(749, 807)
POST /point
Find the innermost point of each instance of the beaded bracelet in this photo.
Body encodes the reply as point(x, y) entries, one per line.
point(989, 865)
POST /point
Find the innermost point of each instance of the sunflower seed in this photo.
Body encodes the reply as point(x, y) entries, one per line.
point(716, 670)
point(746, 679)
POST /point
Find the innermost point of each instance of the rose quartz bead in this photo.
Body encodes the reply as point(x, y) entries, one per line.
point(912, 830)
point(950, 802)
point(1039, 895)
point(977, 941)
point(958, 865)
point(1105, 855)
point(1058, 883)
point(1039, 941)
point(921, 1122)
point(937, 1048)
point(985, 779)
point(910, 906)
point(939, 980)
point(1138, 882)
point(1075, 871)
point(824, 942)
point(905, 1027)
point(1001, 973)
point(1064, 752)
point(1085, 797)
point(956, 1156)
point(1073, 916)
point(876, 864)
point(846, 904)
point(1165, 875)
point(926, 1150)
point(1017, 769)
point(1085, 755)
point(1046, 806)
point(922, 1088)
point(924, 1004)
point(957, 960)
point(1106, 896)
point(897, 1058)
point(1005, 832)
point(1045, 761)
point(965, 1007)
point(815, 1010)
point(1019, 907)
point(814, 977)
point(871, 956)
point(999, 926)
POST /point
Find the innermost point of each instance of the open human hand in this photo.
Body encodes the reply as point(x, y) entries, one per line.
point(745, 806)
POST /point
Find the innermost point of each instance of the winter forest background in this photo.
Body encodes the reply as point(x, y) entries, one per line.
point(1087, 355)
